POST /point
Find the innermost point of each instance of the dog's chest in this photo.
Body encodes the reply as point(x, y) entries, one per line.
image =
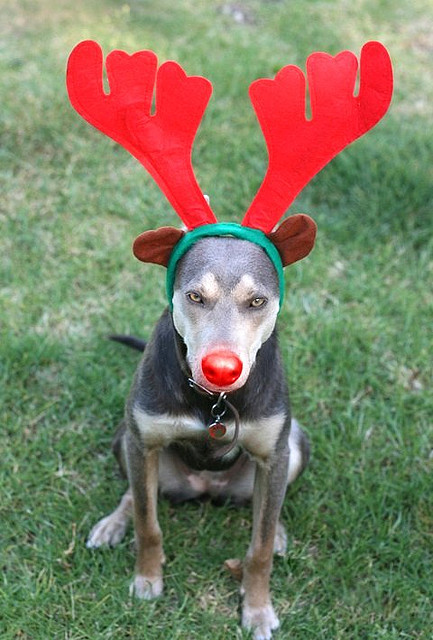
point(161, 430)
point(258, 437)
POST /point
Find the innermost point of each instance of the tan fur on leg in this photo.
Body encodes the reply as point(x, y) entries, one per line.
point(143, 472)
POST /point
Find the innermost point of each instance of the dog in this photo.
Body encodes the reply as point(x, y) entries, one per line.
point(209, 411)
point(225, 300)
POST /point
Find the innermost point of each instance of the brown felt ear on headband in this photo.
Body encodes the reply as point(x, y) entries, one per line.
point(156, 246)
point(294, 238)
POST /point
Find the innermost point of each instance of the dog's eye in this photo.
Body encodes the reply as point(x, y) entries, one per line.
point(194, 297)
point(258, 302)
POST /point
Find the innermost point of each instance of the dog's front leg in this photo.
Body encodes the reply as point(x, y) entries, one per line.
point(269, 489)
point(143, 478)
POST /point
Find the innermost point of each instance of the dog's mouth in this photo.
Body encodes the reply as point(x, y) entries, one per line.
point(218, 388)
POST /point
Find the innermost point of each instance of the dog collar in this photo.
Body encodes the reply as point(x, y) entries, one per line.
point(223, 229)
point(216, 429)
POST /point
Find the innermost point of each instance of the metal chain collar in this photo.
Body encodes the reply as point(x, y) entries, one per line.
point(216, 428)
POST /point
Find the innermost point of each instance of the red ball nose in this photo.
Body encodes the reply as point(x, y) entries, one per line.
point(221, 368)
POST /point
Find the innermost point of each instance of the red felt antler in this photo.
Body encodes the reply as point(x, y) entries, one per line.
point(162, 141)
point(298, 148)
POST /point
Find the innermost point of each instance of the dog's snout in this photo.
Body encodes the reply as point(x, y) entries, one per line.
point(221, 368)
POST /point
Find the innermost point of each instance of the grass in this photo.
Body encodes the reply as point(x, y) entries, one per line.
point(355, 330)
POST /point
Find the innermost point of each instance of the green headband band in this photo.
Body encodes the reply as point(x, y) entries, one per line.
point(231, 229)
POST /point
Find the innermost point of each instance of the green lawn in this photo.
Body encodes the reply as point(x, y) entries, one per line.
point(356, 329)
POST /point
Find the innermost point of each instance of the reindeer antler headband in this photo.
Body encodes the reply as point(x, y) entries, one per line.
point(298, 148)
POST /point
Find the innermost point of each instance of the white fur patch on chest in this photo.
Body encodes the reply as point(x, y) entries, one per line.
point(160, 431)
point(258, 437)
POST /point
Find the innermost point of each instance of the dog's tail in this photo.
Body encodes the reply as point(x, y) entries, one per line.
point(130, 341)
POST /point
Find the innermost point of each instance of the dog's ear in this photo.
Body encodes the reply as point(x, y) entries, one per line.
point(156, 246)
point(294, 238)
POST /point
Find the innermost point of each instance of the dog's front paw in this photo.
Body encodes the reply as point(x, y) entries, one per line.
point(260, 620)
point(146, 588)
point(107, 532)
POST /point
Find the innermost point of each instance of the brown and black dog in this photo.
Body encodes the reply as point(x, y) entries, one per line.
point(226, 298)
point(213, 366)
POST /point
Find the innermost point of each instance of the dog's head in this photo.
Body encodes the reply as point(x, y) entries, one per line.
point(225, 291)
point(225, 286)
point(225, 304)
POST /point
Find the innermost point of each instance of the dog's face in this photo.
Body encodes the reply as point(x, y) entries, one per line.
point(226, 301)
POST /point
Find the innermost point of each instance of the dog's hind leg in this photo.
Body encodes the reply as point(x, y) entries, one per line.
point(299, 452)
point(111, 530)
point(118, 447)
